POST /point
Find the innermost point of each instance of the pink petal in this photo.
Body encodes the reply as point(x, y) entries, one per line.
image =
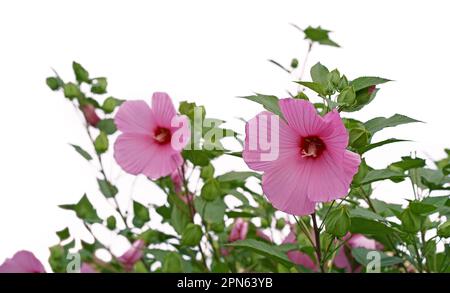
point(87, 269)
point(335, 135)
point(302, 116)
point(256, 154)
point(359, 240)
point(163, 109)
point(22, 262)
point(132, 255)
point(181, 132)
point(139, 154)
point(135, 117)
point(286, 186)
point(298, 257)
point(330, 179)
point(341, 260)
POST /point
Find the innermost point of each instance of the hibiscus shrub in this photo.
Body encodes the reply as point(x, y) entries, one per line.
point(307, 206)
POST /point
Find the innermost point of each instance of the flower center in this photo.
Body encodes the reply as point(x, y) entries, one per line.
point(162, 135)
point(311, 147)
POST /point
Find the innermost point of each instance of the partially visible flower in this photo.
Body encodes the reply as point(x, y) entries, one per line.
point(308, 161)
point(298, 257)
point(152, 138)
point(239, 230)
point(90, 115)
point(87, 269)
point(22, 262)
point(178, 188)
point(262, 235)
point(132, 255)
point(344, 258)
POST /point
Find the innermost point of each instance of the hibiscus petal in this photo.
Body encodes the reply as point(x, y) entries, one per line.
point(262, 151)
point(163, 109)
point(335, 135)
point(134, 151)
point(181, 132)
point(22, 262)
point(163, 163)
point(135, 117)
point(330, 179)
point(302, 116)
point(286, 187)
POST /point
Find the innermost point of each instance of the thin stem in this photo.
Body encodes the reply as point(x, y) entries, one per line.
point(304, 229)
point(317, 235)
point(326, 215)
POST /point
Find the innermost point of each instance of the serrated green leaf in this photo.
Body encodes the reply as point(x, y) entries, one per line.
point(376, 124)
point(367, 81)
point(270, 103)
point(84, 210)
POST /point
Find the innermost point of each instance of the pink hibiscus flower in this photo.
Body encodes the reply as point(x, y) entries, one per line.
point(132, 255)
point(22, 262)
point(239, 230)
point(311, 163)
point(298, 257)
point(344, 258)
point(152, 138)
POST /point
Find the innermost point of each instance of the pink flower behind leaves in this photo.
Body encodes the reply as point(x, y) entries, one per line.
point(344, 258)
point(149, 143)
point(87, 269)
point(312, 163)
point(298, 257)
point(22, 262)
point(132, 255)
point(239, 230)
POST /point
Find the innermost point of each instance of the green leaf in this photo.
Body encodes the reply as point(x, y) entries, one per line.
point(376, 124)
point(369, 227)
point(338, 221)
point(271, 251)
point(319, 74)
point(110, 104)
point(378, 144)
point(101, 143)
point(421, 208)
point(235, 175)
point(361, 256)
point(107, 189)
point(81, 74)
point(444, 230)
point(172, 263)
point(270, 103)
point(151, 236)
point(82, 152)
point(84, 210)
point(319, 35)
point(385, 209)
point(111, 223)
point(99, 85)
point(179, 218)
point(366, 214)
point(141, 214)
point(63, 234)
point(211, 190)
point(53, 83)
point(210, 211)
point(367, 81)
point(192, 235)
point(407, 163)
point(107, 126)
point(314, 86)
point(347, 96)
point(410, 221)
point(382, 174)
point(71, 91)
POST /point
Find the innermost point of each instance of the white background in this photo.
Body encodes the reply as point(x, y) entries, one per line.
point(205, 51)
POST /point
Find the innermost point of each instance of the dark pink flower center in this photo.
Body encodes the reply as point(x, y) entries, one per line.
point(162, 135)
point(311, 147)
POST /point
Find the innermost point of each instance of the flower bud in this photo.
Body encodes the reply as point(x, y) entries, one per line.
point(90, 115)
